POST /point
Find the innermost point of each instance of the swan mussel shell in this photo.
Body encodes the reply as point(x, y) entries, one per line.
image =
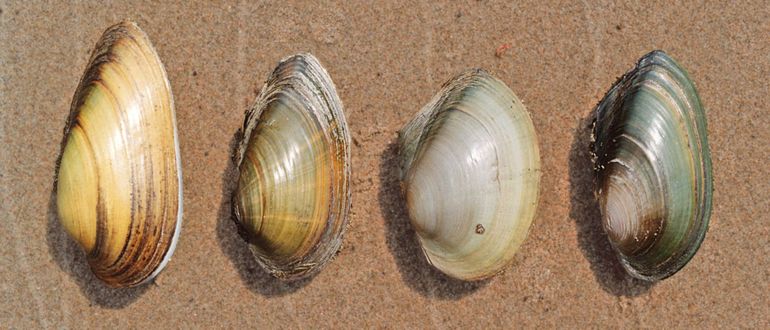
point(653, 168)
point(119, 181)
point(470, 171)
point(292, 199)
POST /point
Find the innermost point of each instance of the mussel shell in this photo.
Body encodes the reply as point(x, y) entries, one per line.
point(470, 170)
point(119, 181)
point(653, 167)
point(293, 195)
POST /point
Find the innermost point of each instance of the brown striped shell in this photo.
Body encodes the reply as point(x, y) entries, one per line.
point(293, 194)
point(119, 181)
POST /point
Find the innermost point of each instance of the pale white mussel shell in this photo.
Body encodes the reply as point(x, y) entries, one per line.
point(470, 171)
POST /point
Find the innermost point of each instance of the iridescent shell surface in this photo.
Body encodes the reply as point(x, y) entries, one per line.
point(470, 170)
point(653, 168)
point(119, 180)
point(293, 193)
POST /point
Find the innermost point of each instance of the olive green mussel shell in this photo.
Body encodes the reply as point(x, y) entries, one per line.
point(292, 199)
point(119, 183)
point(653, 168)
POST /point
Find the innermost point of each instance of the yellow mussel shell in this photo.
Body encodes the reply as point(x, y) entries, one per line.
point(119, 181)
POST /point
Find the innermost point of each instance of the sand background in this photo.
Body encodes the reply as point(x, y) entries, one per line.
point(387, 60)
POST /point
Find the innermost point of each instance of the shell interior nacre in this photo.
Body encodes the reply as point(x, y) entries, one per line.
point(653, 167)
point(293, 194)
point(470, 169)
point(119, 181)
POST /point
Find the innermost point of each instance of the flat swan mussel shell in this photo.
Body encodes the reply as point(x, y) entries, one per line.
point(470, 171)
point(653, 167)
point(293, 195)
point(119, 179)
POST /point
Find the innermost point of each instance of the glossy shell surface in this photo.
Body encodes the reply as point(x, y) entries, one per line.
point(470, 170)
point(653, 167)
point(293, 193)
point(119, 181)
